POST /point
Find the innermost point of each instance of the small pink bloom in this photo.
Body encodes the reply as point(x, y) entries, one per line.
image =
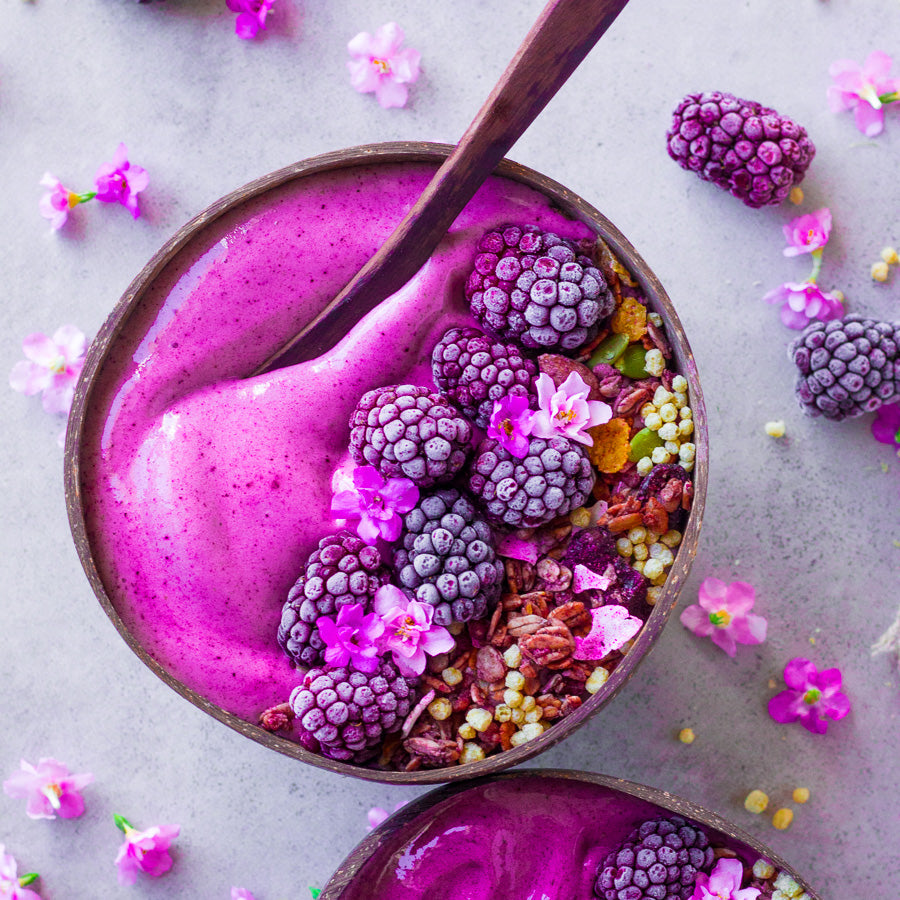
point(53, 366)
point(723, 614)
point(511, 423)
point(565, 411)
point(380, 65)
point(801, 303)
point(723, 883)
point(886, 426)
point(808, 233)
point(377, 814)
point(409, 632)
point(241, 894)
point(120, 181)
point(49, 789)
point(810, 696)
point(56, 201)
point(144, 851)
point(352, 639)
point(864, 89)
point(251, 16)
point(611, 627)
point(12, 886)
point(376, 502)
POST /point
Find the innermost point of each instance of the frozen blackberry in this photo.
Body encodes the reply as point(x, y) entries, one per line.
point(447, 558)
point(406, 430)
point(476, 370)
point(554, 478)
point(534, 287)
point(344, 713)
point(745, 148)
point(342, 571)
point(660, 860)
point(847, 367)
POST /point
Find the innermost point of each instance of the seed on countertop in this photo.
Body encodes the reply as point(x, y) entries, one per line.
point(783, 818)
point(687, 736)
point(880, 271)
point(775, 429)
point(889, 255)
point(763, 869)
point(756, 801)
point(801, 795)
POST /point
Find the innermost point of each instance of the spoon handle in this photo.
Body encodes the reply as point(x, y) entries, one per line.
point(563, 35)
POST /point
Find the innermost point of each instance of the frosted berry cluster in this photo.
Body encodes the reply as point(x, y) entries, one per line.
point(487, 591)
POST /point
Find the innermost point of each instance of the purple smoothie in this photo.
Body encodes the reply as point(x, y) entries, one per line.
point(204, 491)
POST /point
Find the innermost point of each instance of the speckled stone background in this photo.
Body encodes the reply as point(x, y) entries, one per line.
point(810, 520)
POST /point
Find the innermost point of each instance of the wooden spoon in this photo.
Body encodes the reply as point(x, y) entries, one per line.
point(563, 35)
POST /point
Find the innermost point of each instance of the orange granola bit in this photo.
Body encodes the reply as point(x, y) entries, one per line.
point(630, 318)
point(611, 447)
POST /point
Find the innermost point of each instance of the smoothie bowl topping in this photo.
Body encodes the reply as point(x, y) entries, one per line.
point(502, 534)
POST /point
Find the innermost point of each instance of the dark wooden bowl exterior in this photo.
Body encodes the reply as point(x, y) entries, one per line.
point(373, 154)
point(342, 879)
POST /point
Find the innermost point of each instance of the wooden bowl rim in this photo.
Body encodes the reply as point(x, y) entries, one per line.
point(385, 833)
point(365, 155)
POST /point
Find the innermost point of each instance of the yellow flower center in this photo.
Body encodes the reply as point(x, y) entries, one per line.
point(383, 66)
point(812, 696)
point(58, 366)
point(565, 415)
point(506, 426)
point(407, 629)
point(721, 619)
point(52, 792)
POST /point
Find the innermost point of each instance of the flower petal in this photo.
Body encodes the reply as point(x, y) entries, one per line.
point(723, 639)
point(391, 94)
point(783, 707)
point(799, 673)
point(869, 121)
point(740, 597)
point(696, 619)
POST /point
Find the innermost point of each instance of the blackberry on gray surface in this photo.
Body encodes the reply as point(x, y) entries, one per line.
point(344, 713)
point(748, 149)
point(447, 557)
point(660, 860)
point(535, 288)
point(554, 478)
point(408, 431)
point(476, 370)
point(342, 571)
point(846, 367)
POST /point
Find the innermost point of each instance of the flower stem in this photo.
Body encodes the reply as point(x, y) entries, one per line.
point(817, 265)
point(83, 198)
point(122, 823)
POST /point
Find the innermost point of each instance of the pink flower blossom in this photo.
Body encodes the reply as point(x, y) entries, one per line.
point(565, 411)
point(380, 65)
point(49, 789)
point(144, 851)
point(53, 366)
point(723, 614)
point(377, 814)
point(511, 423)
point(808, 233)
point(801, 303)
point(611, 628)
point(886, 426)
point(58, 200)
point(376, 502)
point(241, 894)
point(810, 696)
point(723, 883)
point(120, 181)
point(409, 632)
point(353, 638)
point(864, 89)
point(12, 886)
point(251, 16)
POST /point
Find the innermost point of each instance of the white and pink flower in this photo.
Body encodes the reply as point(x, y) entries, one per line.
point(49, 789)
point(381, 65)
point(565, 411)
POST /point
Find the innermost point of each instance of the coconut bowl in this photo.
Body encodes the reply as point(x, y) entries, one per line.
point(154, 296)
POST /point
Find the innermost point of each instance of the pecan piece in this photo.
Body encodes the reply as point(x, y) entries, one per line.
point(574, 616)
point(432, 752)
point(489, 665)
point(552, 646)
point(536, 602)
point(618, 524)
point(524, 625)
point(655, 517)
point(670, 494)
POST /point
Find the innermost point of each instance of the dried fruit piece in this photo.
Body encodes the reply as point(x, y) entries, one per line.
point(611, 447)
point(630, 318)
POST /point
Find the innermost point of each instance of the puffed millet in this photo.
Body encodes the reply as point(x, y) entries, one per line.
point(800, 795)
point(596, 680)
point(515, 681)
point(686, 412)
point(680, 400)
point(451, 676)
point(654, 362)
point(783, 818)
point(647, 409)
point(466, 731)
point(679, 384)
point(686, 427)
point(580, 517)
point(440, 709)
point(470, 753)
point(502, 713)
point(479, 719)
point(528, 702)
point(513, 657)
point(661, 552)
point(762, 868)
point(880, 271)
point(756, 801)
point(534, 715)
point(624, 547)
point(517, 717)
point(653, 595)
point(661, 396)
point(653, 569)
point(644, 466)
point(775, 429)
point(660, 455)
point(889, 255)
point(687, 452)
point(653, 421)
point(787, 885)
point(671, 538)
point(673, 447)
point(687, 736)
point(655, 318)
point(668, 432)
point(637, 535)
point(640, 552)
point(668, 412)
point(512, 698)
point(638, 565)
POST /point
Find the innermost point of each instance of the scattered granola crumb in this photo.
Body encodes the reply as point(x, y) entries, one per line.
point(880, 271)
point(687, 736)
point(762, 868)
point(812, 640)
point(775, 429)
point(800, 795)
point(756, 801)
point(783, 818)
point(796, 195)
point(889, 255)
